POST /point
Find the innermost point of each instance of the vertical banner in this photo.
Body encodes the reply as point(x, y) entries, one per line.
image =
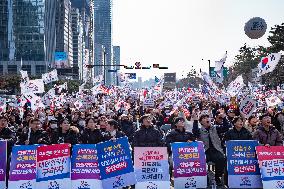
point(189, 165)
point(115, 164)
point(271, 164)
point(3, 163)
point(85, 171)
point(151, 167)
point(243, 170)
point(53, 167)
point(23, 167)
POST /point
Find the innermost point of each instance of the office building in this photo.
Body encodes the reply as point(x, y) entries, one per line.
point(116, 63)
point(103, 32)
point(22, 37)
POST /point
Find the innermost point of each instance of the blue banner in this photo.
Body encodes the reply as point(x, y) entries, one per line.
point(115, 163)
point(243, 169)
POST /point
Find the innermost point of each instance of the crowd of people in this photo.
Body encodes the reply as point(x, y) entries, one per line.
point(206, 121)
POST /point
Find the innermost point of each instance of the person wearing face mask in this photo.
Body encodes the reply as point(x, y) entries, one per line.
point(238, 132)
point(267, 134)
point(209, 135)
point(92, 134)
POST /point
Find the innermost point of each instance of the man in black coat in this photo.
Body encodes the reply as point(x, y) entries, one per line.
point(34, 134)
point(147, 135)
point(178, 134)
point(6, 133)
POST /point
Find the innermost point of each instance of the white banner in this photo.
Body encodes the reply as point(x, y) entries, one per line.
point(248, 106)
point(33, 86)
point(235, 86)
point(50, 77)
point(272, 101)
point(149, 102)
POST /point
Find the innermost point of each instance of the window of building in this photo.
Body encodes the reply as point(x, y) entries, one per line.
point(1, 69)
point(27, 68)
point(40, 69)
point(12, 69)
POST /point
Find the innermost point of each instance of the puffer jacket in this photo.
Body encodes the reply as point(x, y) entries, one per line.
point(271, 137)
point(35, 137)
point(70, 137)
point(147, 137)
point(234, 134)
point(92, 137)
point(176, 135)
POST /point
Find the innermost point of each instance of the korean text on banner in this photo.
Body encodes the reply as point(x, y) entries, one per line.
point(85, 171)
point(271, 164)
point(53, 166)
point(149, 102)
point(151, 167)
point(23, 167)
point(248, 106)
point(189, 165)
point(3, 163)
point(243, 170)
point(115, 164)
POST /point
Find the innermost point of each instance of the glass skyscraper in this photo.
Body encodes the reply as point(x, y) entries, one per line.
point(22, 35)
point(103, 33)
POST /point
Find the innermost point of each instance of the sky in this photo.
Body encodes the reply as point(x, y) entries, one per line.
point(180, 33)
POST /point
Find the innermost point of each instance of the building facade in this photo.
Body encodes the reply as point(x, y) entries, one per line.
point(22, 36)
point(63, 21)
point(116, 63)
point(78, 43)
point(103, 33)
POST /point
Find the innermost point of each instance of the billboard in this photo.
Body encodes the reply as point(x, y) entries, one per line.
point(61, 60)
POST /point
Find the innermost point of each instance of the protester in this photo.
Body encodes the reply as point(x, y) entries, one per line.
point(147, 135)
point(113, 130)
point(238, 132)
point(252, 124)
point(179, 134)
point(34, 135)
point(92, 134)
point(209, 135)
point(267, 134)
point(65, 133)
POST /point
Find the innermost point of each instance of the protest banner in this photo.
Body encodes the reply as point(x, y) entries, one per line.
point(115, 163)
point(189, 165)
point(149, 102)
point(53, 167)
point(3, 163)
point(271, 164)
point(247, 107)
point(50, 77)
point(151, 167)
point(32, 86)
point(23, 167)
point(85, 171)
point(243, 170)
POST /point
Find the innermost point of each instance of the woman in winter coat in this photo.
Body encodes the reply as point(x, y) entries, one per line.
point(113, 130)
point(92, 134)
point(65, 133)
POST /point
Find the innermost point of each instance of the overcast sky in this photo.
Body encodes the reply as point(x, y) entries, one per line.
point(180, 33)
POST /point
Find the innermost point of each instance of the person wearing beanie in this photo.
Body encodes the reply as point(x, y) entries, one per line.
point(147, 135)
